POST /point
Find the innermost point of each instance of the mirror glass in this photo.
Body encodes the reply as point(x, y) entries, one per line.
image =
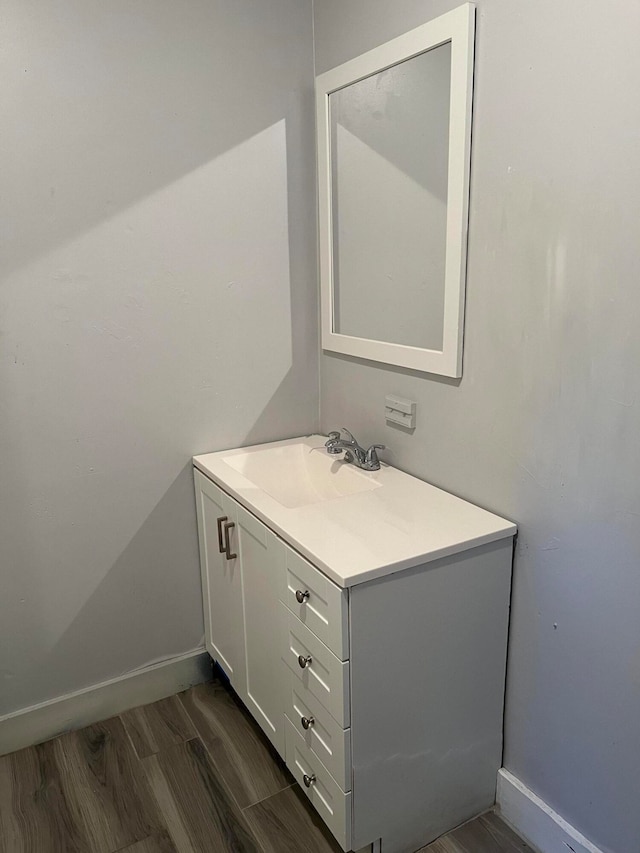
point(389, 138)
point(394, 142)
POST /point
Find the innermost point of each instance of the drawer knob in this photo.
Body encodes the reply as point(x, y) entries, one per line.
point(307, 722)
point(309, 780)
point(304, 661)
point(301, 596)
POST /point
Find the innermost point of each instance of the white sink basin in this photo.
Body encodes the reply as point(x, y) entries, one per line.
point(353, 525)
point(300, 474)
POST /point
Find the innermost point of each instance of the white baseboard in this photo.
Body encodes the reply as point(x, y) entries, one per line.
point(539, 825)
point(76, 710)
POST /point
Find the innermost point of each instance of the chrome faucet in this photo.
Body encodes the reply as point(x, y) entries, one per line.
point(365, 459)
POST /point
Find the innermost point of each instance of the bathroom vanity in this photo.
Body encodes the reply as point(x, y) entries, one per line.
point(362, 618)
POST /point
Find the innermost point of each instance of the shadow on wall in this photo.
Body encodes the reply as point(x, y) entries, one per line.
point(159, 285)
point(185, 365)
point(119, 100)
point(152, 576)
point(150, 595)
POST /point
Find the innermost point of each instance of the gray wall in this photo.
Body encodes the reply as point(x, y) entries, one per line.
point(543, 427)
point(157, 299)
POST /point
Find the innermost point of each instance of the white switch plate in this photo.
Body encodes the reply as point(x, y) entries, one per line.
point(397, 410)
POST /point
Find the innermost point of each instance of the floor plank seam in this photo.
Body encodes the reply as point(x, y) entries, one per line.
point(211, 757)
point(159, 808)
point(275, 794)
point(130, 739)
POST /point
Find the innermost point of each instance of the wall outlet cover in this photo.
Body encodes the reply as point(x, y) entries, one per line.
point(398, 410)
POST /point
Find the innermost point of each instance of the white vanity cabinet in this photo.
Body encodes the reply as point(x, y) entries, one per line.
point(221, 578)
point(239, 559)
point(383, 693)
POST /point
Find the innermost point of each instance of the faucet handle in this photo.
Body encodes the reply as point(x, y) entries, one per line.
point(350, 435)
point(371, 459)
point(332, 443)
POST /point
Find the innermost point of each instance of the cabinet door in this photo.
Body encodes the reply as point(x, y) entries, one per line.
point(221, 579)
point(262, 558)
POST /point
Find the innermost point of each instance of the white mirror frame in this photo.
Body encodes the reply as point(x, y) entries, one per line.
point(456, 27)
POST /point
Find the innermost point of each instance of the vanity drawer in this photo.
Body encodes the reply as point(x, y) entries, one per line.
point(324, 606)
point(331, 803)
point(325, 676)
point(326, 739)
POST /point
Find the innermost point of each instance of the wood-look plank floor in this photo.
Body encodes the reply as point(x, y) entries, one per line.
point(485, 834)
point(189, 774)
point(242, 755)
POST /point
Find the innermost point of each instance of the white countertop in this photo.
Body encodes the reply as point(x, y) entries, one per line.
point(402, 523)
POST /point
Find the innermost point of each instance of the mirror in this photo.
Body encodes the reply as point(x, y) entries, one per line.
point(393, 163)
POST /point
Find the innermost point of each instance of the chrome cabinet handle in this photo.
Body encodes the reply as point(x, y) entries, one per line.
point(307, 722)
point(309, 780)
point(228, 525)
point(301, 596)
point(304, 662)
point(220, 521)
